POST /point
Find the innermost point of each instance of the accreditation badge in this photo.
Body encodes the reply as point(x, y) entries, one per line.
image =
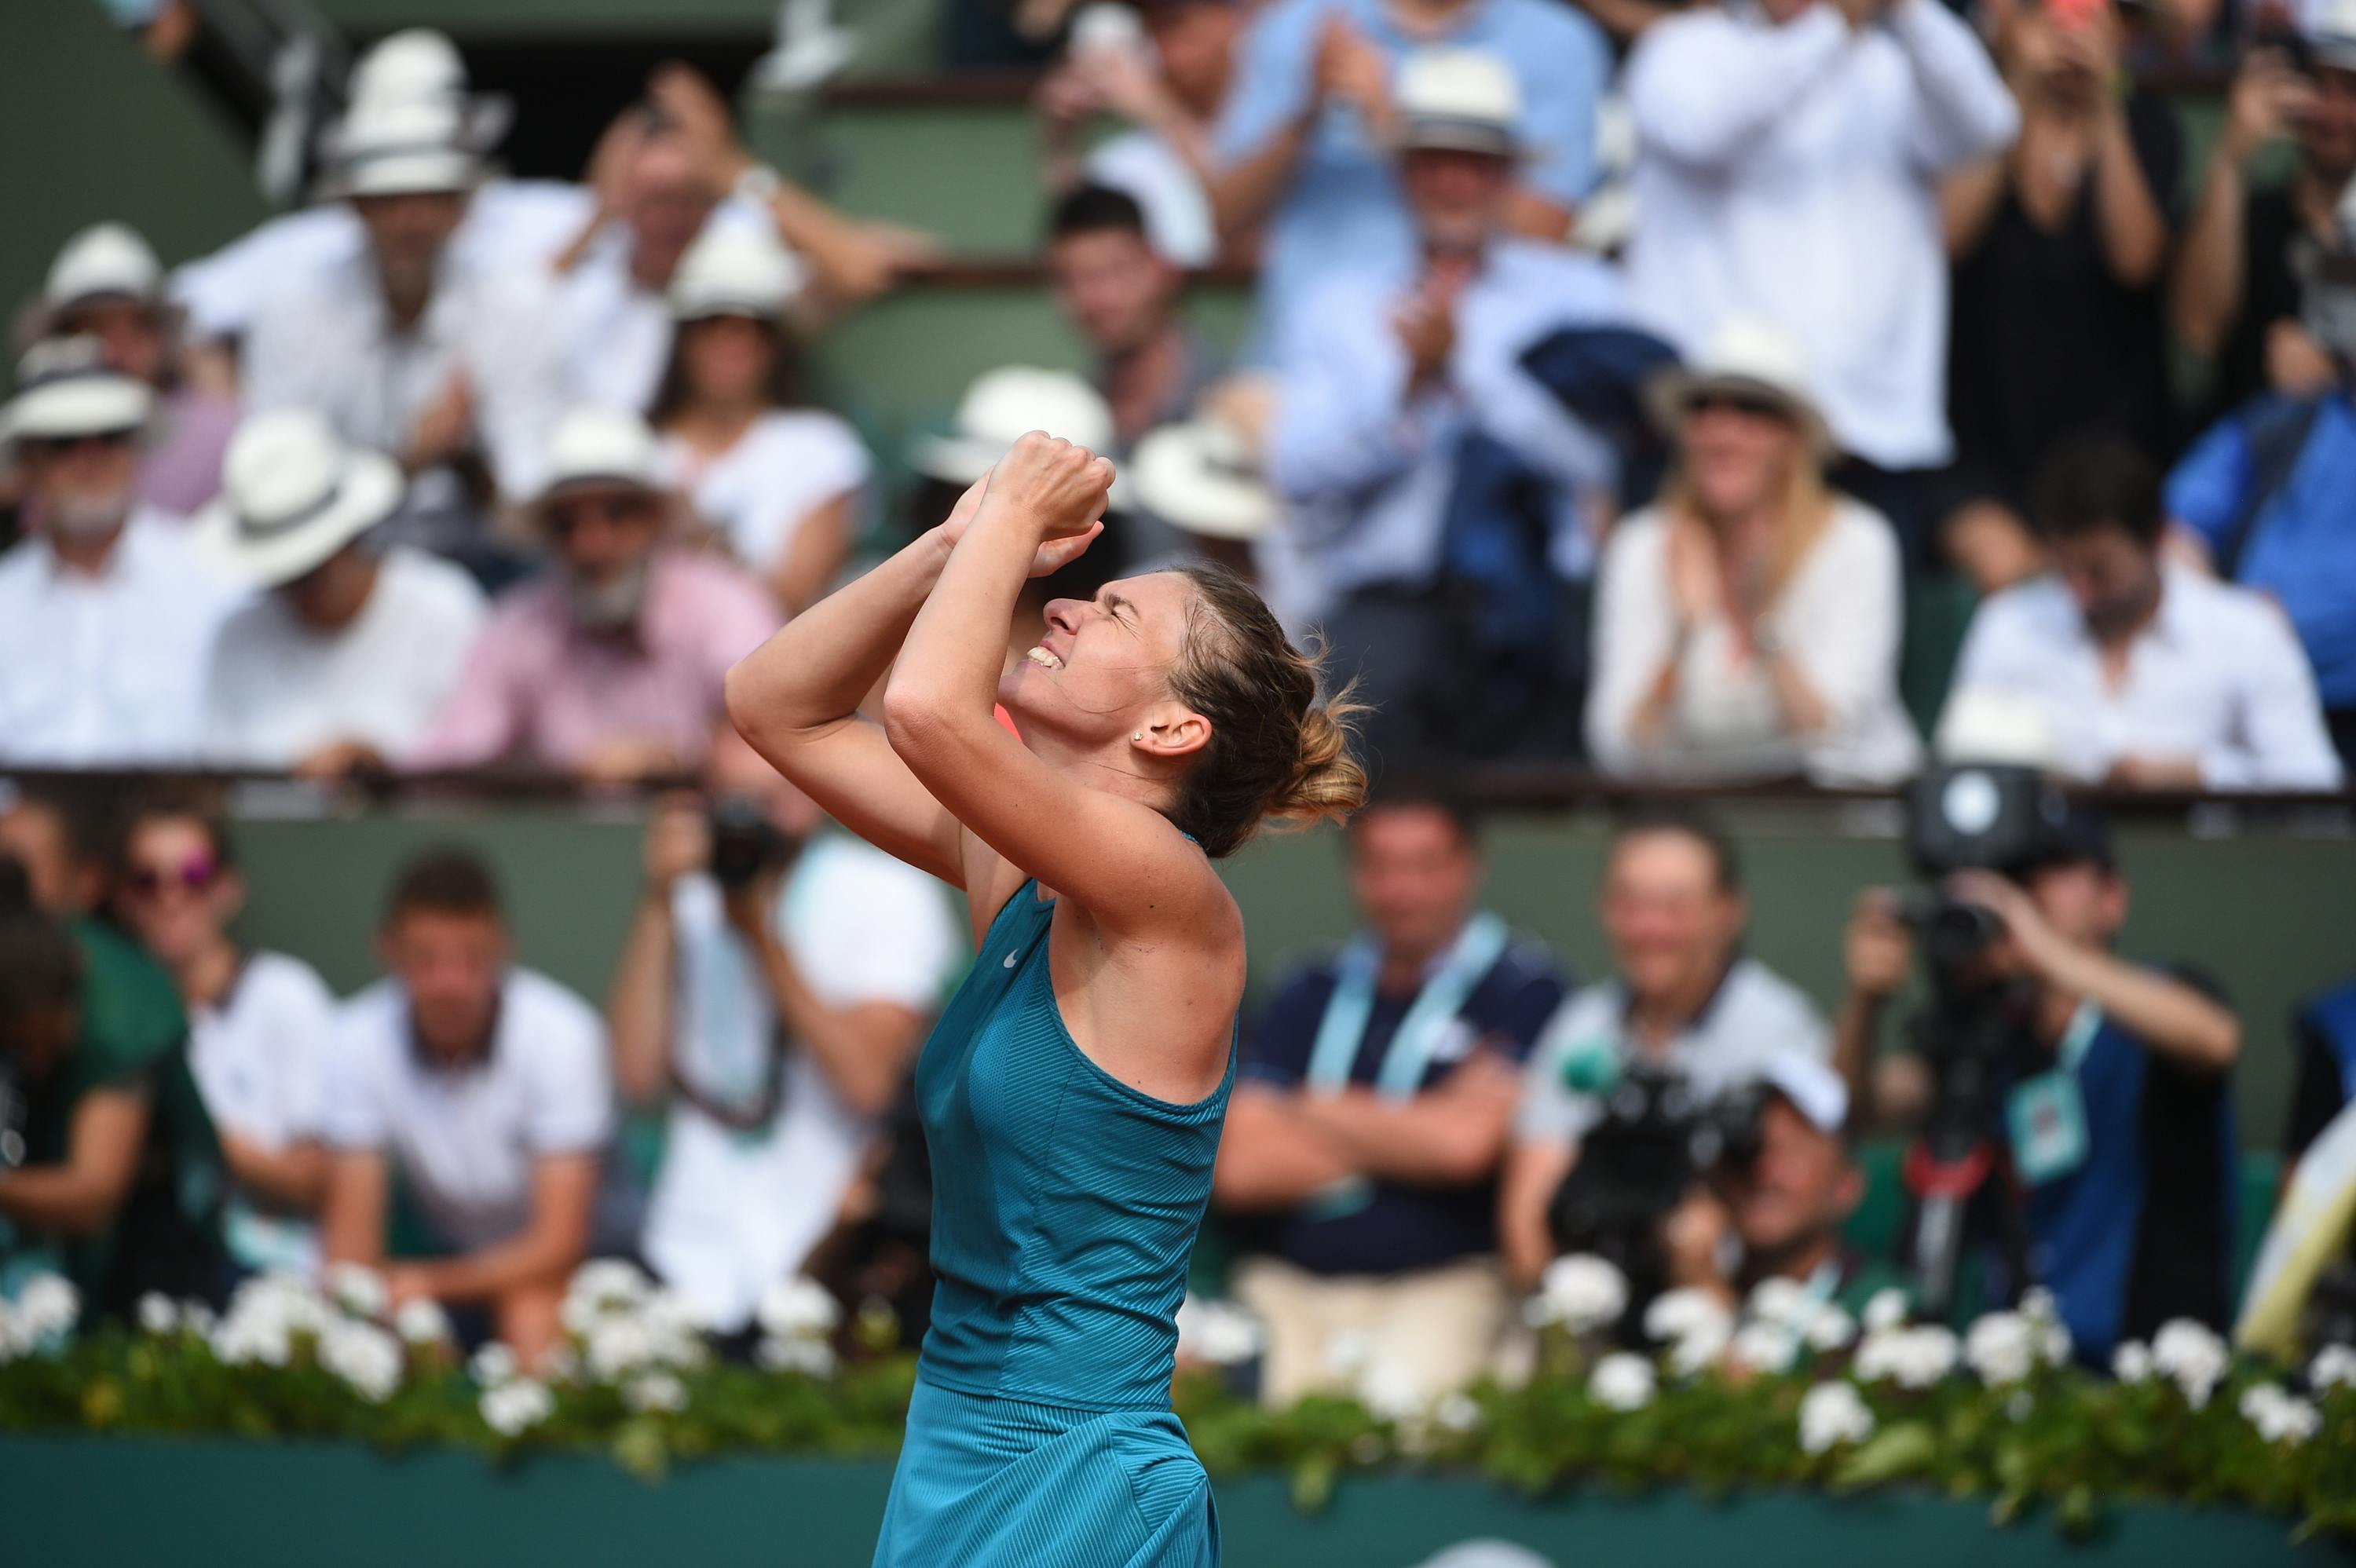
point(2047, 1119)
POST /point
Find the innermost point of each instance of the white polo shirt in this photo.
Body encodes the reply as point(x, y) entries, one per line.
point(1755, 1017)
point(260, 1059)
point(107, 671)
point(735, 1211)
point(466, 1138)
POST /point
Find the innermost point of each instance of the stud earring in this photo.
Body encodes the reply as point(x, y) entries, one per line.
point(1139, 735)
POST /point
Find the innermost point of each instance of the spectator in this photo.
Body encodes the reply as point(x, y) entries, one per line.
point(105, 612)
point(1167, 87)
point(610, 667)
point(781, 480)
point(1683, 995)
point(774, 985)
point(107, 285)
point(1202, 478)
point(458, 372)
point(1788, 161)
point(2249, 250)
point(1123, 298)
point(353, 645)
point(2268, 499)
point(483, 1087)
point(2060, 247)
point(1362, 1143)
point(1372, 428)
point(2131, 1224)
point(1303, 140)
point(2151, 675)
point(2310, 1246)
point(1747, 625)
point(120, 1178)
point(259, 1024)
point(1779, 1215)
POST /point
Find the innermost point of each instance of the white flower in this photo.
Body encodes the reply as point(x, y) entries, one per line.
point(1346, 1355)
point(1457, 1413)
point(562, 1365)
point(364, 1356)
point(1829, 1329)
point(2054, 1343)
point(1833, 1413)
point(1392, 1391)
point(1583, 1293)
point(1779, 1300)
point(1765, 1347)
point(422, 1321)
point(814, 1358)
point(358, 1289)
point(10, 1345)
point(492, 1365)
point(2039, 1306)
point(2279, 1418)
point(1702, 1347)
point(2334, 1366)
point(1219, 1332)
point(610, 1283)
point(1885, 1310)
point(513, 1406)
point(198, 1318)
point(616, 1347)
point(2193, 1356)
point(1913, 1358)
point(2131, 1362)
point(798, 1308)
point(2002, 1347)
point(1675, 1313)
point(46, 1308)
point(156, 1313)
point(655, 1391)
point(1622, 1382)
point(244, 1338)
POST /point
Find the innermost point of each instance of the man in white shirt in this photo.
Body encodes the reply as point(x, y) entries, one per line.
point(486, 1087)
point(350, 650)
point(1683, 997)
point(456, 370)
point(105, 613)
point(1789, 154)
point(2149, 675)
point(1391, 374)
point(774, 987)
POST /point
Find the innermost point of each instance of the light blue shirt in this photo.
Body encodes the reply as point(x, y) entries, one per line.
point(1369, 474)
point(1343, 209)
point(2301, 547)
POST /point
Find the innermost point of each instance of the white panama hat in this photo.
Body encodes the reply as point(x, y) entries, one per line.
point(597, 449)
point(2331, 34)
point(735, 268)
point(66, 389)
point(106, 261)
point(419, 65)
point(1005, 405)
point(403, 147)
point(1462, 101)
point(292, 495)
point(1746, 355)
point(1200, 478)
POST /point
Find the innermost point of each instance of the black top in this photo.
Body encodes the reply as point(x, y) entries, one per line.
point(2271, 235)
point(2045, 342)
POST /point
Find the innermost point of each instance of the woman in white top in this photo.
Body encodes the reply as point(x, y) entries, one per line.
point(1747, 625)
point(780, 482)
point(258, 1030)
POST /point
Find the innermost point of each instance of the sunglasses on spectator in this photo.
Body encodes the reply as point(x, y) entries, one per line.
point(1751, 404)
point(58, 445)
point(565, 516)
point(188, 876)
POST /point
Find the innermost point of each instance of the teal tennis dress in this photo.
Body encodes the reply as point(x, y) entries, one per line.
point(1065, 1208)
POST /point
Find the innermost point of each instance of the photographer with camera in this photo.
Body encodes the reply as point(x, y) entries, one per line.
point(2110, 1082)
point(773, 987)
point(1641, 1062)
point(109, 1169)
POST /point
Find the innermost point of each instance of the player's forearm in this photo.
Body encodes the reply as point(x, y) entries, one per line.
point(816, 668)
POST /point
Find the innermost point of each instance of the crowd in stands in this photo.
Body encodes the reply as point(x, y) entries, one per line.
point(1623, 381)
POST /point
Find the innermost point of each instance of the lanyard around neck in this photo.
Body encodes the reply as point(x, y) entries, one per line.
point(1342, 1031)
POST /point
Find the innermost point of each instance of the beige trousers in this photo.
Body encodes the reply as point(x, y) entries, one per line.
point(1441, 1327)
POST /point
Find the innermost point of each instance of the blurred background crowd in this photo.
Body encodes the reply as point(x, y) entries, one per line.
point(1662, 399)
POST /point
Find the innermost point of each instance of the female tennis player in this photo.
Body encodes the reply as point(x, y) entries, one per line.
point(1073, 1091)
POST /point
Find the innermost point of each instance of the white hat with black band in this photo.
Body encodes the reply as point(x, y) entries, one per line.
point(292, 495)
point(1458, 100)
point(106, 261)
point(1199, 478)
point(1005, 405)
point(403, 147)
point(735, 268)
point(65, 389)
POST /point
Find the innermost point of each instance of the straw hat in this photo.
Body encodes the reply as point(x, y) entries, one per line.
point(403, 147)
point(735, 268)
point(1750, 357)
point(1006, 404)
point(597, 449)
point(292, 495)
point(106, 261)
point(1461, 101)
point(66, 389)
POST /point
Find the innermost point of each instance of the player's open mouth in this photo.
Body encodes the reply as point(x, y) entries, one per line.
point(1044, 659)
